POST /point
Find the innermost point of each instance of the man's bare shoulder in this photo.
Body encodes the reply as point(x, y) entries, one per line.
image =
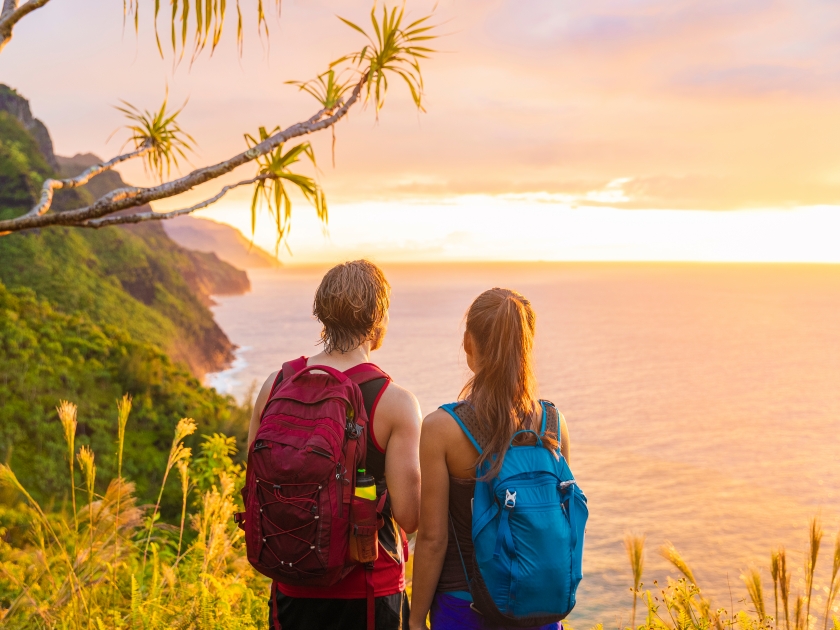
point(265, 390)
point(397, 403)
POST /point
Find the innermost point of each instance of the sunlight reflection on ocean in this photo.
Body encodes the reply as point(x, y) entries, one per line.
point(703, 400)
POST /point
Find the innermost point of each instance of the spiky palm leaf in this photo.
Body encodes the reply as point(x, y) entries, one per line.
point(326, 88)
point(161, 133)
point(329, 91)
point(203, 19)
point(274, 170)
point(392, 49)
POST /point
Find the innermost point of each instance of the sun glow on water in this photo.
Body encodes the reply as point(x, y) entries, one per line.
point(536, 227)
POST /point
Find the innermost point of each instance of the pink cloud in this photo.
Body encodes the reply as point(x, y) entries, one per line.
point(700, 103)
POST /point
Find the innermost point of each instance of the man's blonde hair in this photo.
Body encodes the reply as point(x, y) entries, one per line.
point(351, 303)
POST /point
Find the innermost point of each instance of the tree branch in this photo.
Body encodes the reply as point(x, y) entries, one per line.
point(51, 185)
point(132, 197)
point(160, 216)
point(12, 14)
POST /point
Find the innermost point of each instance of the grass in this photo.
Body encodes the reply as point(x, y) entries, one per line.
point(635, 546)
point(681, 604)
point(112, 563)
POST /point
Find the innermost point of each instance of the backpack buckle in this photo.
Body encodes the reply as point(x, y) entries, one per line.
point(352, 429)
point(510, 499)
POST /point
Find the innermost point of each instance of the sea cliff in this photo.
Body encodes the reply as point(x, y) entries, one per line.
point(89, 315)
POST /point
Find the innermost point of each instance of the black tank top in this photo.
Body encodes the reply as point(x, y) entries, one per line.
point(459, 561)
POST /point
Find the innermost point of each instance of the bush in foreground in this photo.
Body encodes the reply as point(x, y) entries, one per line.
point(112, 564)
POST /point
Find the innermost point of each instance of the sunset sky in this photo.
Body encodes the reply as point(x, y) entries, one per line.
point(607, 129)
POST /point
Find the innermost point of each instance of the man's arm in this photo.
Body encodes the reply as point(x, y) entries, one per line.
point(398, 413)
point(259, 405)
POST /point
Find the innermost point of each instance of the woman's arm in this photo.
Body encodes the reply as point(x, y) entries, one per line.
point(433, 534)
point(259, 405)
point(565, 445)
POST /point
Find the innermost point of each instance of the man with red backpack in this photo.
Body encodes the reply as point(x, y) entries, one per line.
point(333, 479)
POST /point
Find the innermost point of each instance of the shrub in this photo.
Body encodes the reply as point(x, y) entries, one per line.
point(114, 564)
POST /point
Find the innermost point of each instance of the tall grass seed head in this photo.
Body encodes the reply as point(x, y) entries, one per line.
point(67, 414)
point(123, 411)
point(86, 463)
point(185, 427)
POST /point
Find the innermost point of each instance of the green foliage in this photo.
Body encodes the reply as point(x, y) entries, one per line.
point(89, 315)
point(22, 167)
point(135, 278)
point(215, 459)
point(159, 132)
point(392, 49)
point(45, 354)
point(276, 169)
point(53, 576)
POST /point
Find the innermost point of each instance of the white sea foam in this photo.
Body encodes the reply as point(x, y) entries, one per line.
point(226, 381)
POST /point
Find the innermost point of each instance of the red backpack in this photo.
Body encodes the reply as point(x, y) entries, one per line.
point(301, 475)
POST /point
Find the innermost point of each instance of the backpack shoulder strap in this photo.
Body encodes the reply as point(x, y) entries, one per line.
point(365, 372)
point(550, 421)
point(372, 381)
point(290, 368)
point(464, 415)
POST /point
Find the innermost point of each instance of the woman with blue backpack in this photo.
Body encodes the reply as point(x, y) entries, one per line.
point(502, 520)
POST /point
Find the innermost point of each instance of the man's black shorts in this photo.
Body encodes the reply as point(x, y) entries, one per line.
point(302, 613)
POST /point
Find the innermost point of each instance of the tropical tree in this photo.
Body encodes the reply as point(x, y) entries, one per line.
point(394, 48)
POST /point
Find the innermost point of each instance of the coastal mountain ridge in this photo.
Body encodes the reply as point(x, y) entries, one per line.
point(88, 315)
point(17, 106)
point(165, 288)
point(192, 233)
point(208, 273)
point(228, 243)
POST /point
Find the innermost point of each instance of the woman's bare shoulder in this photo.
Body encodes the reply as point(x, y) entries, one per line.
point(442, 427)
point(439, 421)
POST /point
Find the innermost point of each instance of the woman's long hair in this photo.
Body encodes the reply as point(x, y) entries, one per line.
point(503, 389)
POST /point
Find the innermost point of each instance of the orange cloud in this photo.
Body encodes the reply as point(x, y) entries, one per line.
point(690, 104)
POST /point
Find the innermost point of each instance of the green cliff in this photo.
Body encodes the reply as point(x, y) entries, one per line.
point(87, 315)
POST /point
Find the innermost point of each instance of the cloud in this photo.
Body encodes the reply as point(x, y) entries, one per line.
point(718, 104)
point(760, 80)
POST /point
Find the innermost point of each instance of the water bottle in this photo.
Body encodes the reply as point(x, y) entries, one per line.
point(364, 526)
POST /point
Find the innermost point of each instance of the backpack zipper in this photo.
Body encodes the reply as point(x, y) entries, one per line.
point(339, 490)
point(317, 451)
point(310, 429)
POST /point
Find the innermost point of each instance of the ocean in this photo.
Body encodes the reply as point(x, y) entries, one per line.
point(703, 400)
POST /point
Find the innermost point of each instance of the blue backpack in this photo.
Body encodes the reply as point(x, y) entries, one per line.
point(528, 525)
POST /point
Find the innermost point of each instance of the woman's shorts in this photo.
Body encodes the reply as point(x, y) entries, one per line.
point(451, 613)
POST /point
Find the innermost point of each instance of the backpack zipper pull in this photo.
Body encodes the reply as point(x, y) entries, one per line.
point(510, 499)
